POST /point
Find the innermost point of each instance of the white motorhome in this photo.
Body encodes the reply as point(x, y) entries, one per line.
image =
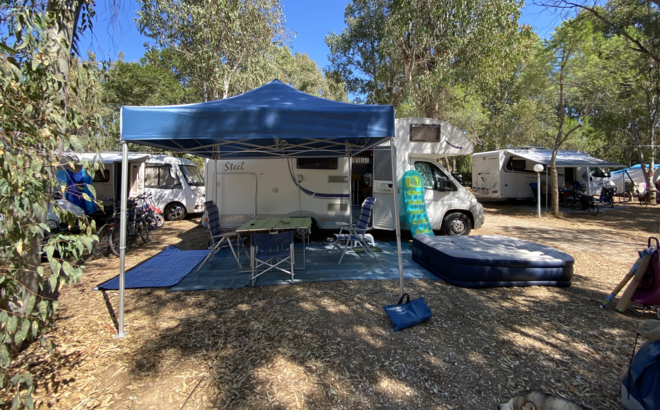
point(329, 189)
point(508, 173)
point(176, 184)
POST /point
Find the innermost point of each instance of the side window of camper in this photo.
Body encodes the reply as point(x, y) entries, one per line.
point(160, 176)
point(426, 170)
point(101, 176)
point(434, 178)
point(151, 177)
point(166, 180)
point(318, 163)
point(516, 164)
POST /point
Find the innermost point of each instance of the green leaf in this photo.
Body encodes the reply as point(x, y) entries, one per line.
point(13, 323)
point(55, 267)
point(67, 268)
point(52, 281)
point(30, 305)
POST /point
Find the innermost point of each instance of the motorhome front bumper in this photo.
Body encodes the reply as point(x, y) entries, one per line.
point(477, 211)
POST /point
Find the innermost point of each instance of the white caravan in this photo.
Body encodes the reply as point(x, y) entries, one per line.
point(176, 184)
point(328, 189)
point(508, 173)
point(634, 175)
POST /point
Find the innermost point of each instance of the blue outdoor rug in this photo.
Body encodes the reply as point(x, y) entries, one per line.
point(162, 271)
point(221, 271)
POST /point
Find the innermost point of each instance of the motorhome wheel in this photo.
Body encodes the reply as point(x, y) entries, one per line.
point(175, 212)
point(456, 224)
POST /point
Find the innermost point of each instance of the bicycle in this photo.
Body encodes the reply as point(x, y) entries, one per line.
point(607, 196)
point(136, 226)
point(102, 247)
point(582, 202)
point(152, 214)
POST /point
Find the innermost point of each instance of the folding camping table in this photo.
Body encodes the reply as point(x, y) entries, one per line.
point(277, 225)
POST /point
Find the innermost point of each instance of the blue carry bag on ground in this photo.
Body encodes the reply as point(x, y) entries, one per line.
point(410, 313)
point(640, 388)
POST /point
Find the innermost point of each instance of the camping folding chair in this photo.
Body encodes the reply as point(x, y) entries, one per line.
point(220, 240)
point(271, 251)
point(355, 234)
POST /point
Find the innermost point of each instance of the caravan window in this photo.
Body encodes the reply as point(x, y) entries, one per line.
point(318, 163)
point(160, 176)
point(516, 164)
point(101, 176)
point(425, 132)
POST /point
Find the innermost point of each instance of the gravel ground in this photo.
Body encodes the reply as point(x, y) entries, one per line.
point(329, 345)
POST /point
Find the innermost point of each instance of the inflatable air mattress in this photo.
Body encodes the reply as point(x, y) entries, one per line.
point(492, 261)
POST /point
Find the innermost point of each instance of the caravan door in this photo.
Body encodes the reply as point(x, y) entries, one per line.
point(236, 197)
point(383, 189)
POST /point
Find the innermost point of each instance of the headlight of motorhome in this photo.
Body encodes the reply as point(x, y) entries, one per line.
point(52, 225)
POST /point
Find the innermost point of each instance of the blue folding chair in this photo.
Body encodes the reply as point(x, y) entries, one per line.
point(220, 240)
point(271, 250)
point(354, 235)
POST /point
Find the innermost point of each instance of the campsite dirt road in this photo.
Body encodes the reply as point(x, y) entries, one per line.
point(329, 345)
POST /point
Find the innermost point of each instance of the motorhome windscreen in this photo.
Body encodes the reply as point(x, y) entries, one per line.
point(425, 132)
point(318, 163)
point(193, 175)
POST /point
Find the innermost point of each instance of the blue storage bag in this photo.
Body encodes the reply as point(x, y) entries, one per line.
point(640, 388)
point(410, 313)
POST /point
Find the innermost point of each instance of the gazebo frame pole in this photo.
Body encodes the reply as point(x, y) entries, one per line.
point(122, 236)
point(397, 224)
point(547, 189)
point(350, 189)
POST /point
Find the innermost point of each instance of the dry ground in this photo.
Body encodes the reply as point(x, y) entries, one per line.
point(330, 345)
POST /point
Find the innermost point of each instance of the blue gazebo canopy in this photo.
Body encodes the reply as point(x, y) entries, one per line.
point(274, 120)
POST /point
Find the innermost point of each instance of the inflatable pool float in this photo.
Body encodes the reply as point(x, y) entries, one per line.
point(492, 261)
point(413, 200)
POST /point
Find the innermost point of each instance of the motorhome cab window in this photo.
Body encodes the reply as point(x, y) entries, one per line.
point(516, 164)
point(433, 177)
point(160, 176)
point(425, 132)
point(193, 175)
point(598, 173)
point(318, 163)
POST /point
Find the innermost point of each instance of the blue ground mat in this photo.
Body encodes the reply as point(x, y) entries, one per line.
point(221, 272)
point(162, 271)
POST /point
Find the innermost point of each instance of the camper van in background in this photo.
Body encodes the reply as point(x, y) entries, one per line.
point(331, 190)
point(508, 173)
point(176, 184)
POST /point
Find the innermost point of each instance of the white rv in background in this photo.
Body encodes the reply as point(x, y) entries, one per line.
point(329, 189)
point(508, 173)
point(176, 184)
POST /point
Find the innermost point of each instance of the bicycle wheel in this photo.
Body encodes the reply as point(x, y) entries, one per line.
point(100, 247)
point(592, 209)
point(143, 230)
point(152, 221)
point(113, 240)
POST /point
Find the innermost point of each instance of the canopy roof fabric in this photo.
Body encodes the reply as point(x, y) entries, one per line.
point(274, 120)
point(565, 158)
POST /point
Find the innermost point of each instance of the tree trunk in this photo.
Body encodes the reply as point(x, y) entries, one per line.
point(648, 176)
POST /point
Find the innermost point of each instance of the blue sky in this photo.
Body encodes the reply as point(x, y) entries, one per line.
point(312, 20)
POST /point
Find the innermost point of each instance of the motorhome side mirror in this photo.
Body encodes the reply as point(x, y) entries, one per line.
point(172, 171)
